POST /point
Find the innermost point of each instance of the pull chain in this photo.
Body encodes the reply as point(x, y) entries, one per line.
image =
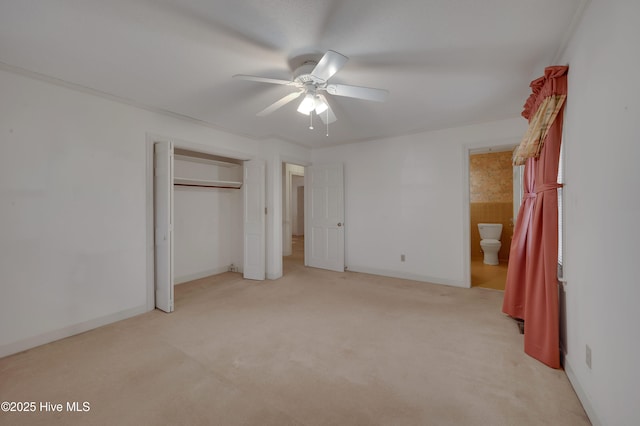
point(327, 122)
point(311, 120)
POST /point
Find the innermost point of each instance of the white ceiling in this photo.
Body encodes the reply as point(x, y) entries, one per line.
point(445, 63)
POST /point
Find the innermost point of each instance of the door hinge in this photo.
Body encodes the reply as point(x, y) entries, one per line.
point(265, 210)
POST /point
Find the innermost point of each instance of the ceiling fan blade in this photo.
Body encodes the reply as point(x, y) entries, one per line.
point(366, 93)
point(280, 103)
point(263, 79)
point(327, 116)
point(330, 64)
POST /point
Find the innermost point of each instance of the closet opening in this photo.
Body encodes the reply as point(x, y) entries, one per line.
point(207, 215)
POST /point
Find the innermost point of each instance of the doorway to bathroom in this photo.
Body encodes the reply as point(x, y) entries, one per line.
point(494, 188)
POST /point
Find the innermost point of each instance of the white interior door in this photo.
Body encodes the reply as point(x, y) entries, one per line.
point(163, 211)
point(254, 220)
point(324, 217)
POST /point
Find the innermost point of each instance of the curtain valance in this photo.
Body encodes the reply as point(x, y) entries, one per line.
point(541, 109)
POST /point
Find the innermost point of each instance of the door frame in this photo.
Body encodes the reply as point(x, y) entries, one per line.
point(467, 150)
point(277, 244)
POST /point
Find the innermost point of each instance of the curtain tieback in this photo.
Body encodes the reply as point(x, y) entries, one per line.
point(547, 187)
point(528, 195)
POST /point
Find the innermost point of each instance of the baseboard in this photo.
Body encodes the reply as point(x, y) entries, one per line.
point(51, 336)
point(190, 277)
point(582, 395)
point(274, 276)
point(406, 276)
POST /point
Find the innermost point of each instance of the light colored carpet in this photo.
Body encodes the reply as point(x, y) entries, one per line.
point(312, 348)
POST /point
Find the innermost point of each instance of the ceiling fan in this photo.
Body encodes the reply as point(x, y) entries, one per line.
point(311, 78)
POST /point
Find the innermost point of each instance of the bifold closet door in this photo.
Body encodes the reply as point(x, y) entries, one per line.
point(163, 215)
point(254, 220)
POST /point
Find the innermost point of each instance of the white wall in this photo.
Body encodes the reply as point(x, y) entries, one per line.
point(406, 196)
point(208, 228)
point(602, 147)
point(74, 239)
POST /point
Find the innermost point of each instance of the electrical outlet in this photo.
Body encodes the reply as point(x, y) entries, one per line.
point(588, 356)
point(402, 258)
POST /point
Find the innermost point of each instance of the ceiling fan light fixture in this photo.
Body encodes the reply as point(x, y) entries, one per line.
point(321, 106)
point(310, 77)
point(307, 105)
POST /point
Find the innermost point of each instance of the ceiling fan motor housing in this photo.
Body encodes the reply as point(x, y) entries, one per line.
point(302, 74)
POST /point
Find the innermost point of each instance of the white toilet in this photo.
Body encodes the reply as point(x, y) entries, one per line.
point(490, 241)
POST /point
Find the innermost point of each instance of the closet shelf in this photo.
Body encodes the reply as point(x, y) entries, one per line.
point(206, 183)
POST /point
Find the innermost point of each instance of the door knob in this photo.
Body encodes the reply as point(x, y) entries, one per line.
point(339, 223)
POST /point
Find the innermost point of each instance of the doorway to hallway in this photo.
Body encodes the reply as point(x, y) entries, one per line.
point(293, 216)
point(316, 211)
point(296, 259)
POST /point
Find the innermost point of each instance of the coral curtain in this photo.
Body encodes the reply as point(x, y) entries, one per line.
point(531, 291)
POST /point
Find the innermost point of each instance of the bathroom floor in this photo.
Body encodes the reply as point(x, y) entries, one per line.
point(488, 276)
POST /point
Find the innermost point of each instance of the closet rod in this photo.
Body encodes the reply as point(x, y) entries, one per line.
point(206, 186)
